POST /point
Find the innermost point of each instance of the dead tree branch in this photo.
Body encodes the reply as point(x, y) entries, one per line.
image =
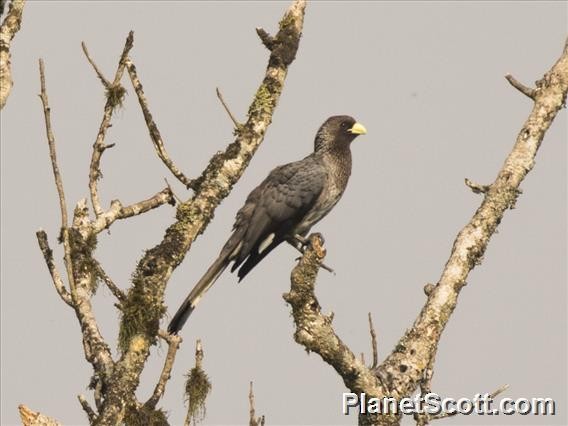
point(143, 307)
point(228, 111)
point(527, 91)
point(253, 420)
point(404, 368)
point(91, 415)
point(118, 211)
point(79, 242)
point(51, 144)
point(197, 388)
point(114, 95)
point(173, 345)
point(314, 329)
point(33, 418)
point(117, 292)
point(97, 351)
point(48, 256)
point(99, 73)
point(374, 347)
point(153, 128)
point(10, 26)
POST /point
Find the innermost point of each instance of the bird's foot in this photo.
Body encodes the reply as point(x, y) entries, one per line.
point(300, 243)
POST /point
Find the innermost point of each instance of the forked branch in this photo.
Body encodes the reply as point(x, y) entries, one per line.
point(411, 362)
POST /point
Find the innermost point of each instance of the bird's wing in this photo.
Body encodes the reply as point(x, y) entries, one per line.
point(278, 204)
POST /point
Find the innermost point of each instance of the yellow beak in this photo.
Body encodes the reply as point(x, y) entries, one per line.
point(358, 129)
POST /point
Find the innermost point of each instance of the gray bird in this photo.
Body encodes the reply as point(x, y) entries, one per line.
point(283, 207)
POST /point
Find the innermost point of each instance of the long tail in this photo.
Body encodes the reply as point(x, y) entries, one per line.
point(198, 291)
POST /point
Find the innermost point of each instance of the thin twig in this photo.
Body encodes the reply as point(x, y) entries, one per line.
point(118, 211)
point(57, 177)
point(51, 143)
point(373, 343)
point(87, 408)
point(476, 187)
point(173, 345)
point(492, 395)
point(238, 126)
point(114, 93)
point(176, 198)
point(153, 128)
point(56, 278)
point(253, 420)
point(117, 292)
point(527, 91)
point(105, 82)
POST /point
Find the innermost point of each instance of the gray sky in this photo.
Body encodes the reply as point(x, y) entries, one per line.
point(426, 79)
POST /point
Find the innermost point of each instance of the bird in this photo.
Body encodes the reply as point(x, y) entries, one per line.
point(284, 207)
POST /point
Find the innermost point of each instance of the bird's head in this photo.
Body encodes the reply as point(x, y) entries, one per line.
point(338, 132)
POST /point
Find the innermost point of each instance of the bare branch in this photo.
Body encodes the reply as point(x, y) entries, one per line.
point(253, 420)
point(118, 211)
point(48, 256)
point(10, 26)
point(173, 345)
point(51, 143)
point(87, 408)
point(58, 180)
point(373, 342)
point(266, 38)
point(117, 292)
point(238, 126)
point(445, 414)
point(477, 188)
point(314, 330)
point(33, 418)
point(143, 307)
point(176, 198)
point(153, 128)
point(100, 75)
point(527, 91)
point(405, 366)
point(197, 387)
point(114, 94)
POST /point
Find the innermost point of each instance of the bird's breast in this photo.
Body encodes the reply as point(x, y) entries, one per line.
point(328, 198)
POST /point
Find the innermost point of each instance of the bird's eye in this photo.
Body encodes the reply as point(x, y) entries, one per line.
point(344, 125)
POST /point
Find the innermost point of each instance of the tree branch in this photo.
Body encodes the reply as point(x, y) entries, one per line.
point(33, 418)
point(229, 113)
point(173, 342)
point(78, 245)
point(153, 128)
point(197, 388)
point(253, 420)
point(117, 292)
point(527, 91)
point(91, 415)
point(99, 73)
point(58, 183)
point(10, 26)
point(118, 211)
point(114, 95)
point(406, 364)
point(56, 278)
point(51, 144)
point(373, 342)
point(314, 330)
point(399, 375)
point(143, 307)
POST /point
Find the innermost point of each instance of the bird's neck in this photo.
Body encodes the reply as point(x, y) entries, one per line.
point(339, 161)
